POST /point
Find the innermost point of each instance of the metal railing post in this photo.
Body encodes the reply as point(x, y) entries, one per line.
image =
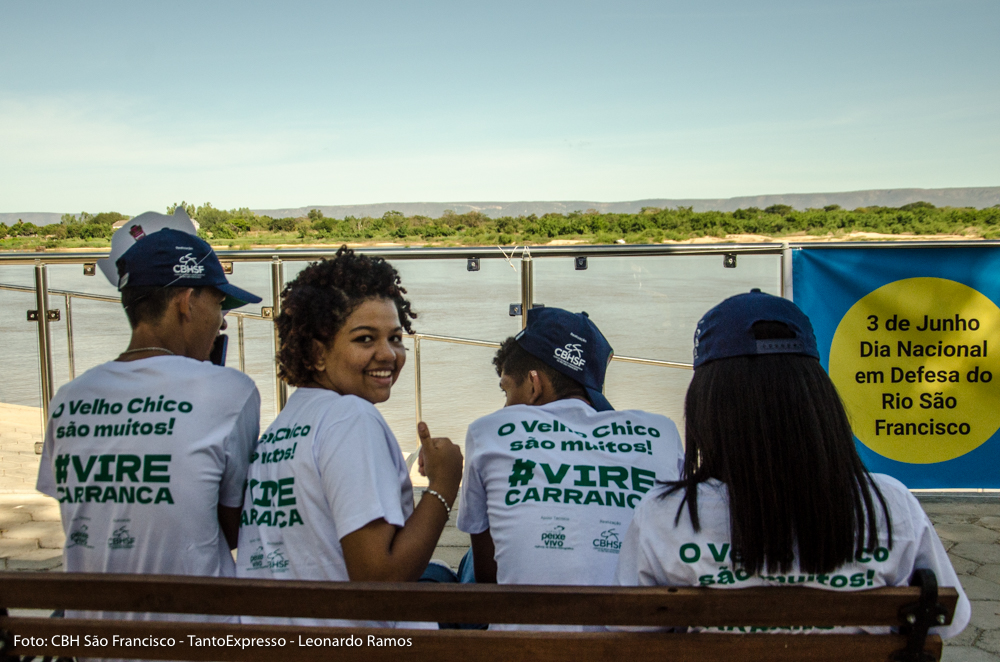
point(527, 286)
point(71, 355)
point(417, 393)
point(239, 337)
point(786, 270)
point(277, 281)
point(44, 338)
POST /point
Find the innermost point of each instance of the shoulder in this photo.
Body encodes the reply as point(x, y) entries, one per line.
point(226, 388)
point(218, 373)
point(896, 494)
point(174, 368)
point(663, 500)
point(99, 379)
point(491, 423)
point(353, 406)
point(656, 499)
point(656, 514)
point(898, 497)
point(335, 411)
point(99, 373)
point(887, 483)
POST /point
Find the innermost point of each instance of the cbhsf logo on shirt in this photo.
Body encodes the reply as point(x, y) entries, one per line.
point(608, 542)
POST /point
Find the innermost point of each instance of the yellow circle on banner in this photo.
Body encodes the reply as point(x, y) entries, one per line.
point(916, 363)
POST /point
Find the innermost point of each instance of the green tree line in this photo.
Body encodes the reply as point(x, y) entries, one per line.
point(651, 225)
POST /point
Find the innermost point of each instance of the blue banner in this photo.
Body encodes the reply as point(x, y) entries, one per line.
point(911, 338)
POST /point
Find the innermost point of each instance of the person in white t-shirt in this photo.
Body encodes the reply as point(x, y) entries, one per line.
point(147, 453)
point(774, 491)
point(328, 493)
point(552, 479)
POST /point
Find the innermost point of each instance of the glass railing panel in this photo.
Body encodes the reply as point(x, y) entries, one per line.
point(100, 329)
point(452, 301)
point(649, 388)
point(20, 385)
point(649, 306)
point(459, 385)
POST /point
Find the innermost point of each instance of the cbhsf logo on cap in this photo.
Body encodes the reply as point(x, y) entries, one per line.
point(188, 267)
point(570, 356)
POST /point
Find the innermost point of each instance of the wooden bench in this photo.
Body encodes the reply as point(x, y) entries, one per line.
point(915, 609)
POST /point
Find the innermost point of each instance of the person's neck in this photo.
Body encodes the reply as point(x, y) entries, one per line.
point(557, 399)
point(150, 341)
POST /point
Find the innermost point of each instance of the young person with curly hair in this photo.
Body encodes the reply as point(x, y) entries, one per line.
point(553, 478)
point(773, 490)
point(328, 493)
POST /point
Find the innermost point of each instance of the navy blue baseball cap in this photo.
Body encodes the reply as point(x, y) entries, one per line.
point(573, 345)
point(727, 330)
point(171, 258)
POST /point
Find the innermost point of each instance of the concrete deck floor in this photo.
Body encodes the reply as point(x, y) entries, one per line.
point(31, 535)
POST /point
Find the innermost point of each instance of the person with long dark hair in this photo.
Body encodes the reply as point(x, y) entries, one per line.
point(773, 490)
point(328, 494)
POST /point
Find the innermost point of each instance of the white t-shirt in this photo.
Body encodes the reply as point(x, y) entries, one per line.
point(656, 552)
point(557, 484)
point(139, 455)
point(300, 502)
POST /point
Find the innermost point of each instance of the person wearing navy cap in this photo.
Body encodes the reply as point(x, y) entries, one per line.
point(147, 454)
point(773, 490)
point(551, 480)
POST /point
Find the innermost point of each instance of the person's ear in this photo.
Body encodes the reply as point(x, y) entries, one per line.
point(537, 387)
point(318, 359)
point(183, 303)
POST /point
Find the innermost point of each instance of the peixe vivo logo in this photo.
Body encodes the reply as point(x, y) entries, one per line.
point(554, 538)
point(571, 355)
point(188, 266)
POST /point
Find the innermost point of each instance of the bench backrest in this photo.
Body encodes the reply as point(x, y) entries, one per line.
point(760, 608)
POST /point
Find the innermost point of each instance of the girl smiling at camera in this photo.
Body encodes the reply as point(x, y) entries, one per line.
point(328, 493)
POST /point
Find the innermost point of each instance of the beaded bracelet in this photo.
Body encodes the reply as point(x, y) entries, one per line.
point(444, 502)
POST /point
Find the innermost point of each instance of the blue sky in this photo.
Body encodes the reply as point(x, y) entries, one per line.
point(130, 106)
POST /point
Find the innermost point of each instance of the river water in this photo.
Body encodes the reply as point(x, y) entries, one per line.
point(646, 306)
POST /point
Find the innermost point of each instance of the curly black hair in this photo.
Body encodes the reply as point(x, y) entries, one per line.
point(316, 304)
point(514, 360)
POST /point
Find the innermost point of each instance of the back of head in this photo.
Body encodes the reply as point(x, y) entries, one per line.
point(763, 417)
point(156, 266)
point(567, 347)
point(513, 360)
point(315, 305)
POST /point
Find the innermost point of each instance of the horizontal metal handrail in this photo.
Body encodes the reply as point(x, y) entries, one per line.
point(433, 253)
point(55, 292)
point(489, 343)
point(109, 299)
point(656, 362)
point(452, 339)
point(494, 252)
